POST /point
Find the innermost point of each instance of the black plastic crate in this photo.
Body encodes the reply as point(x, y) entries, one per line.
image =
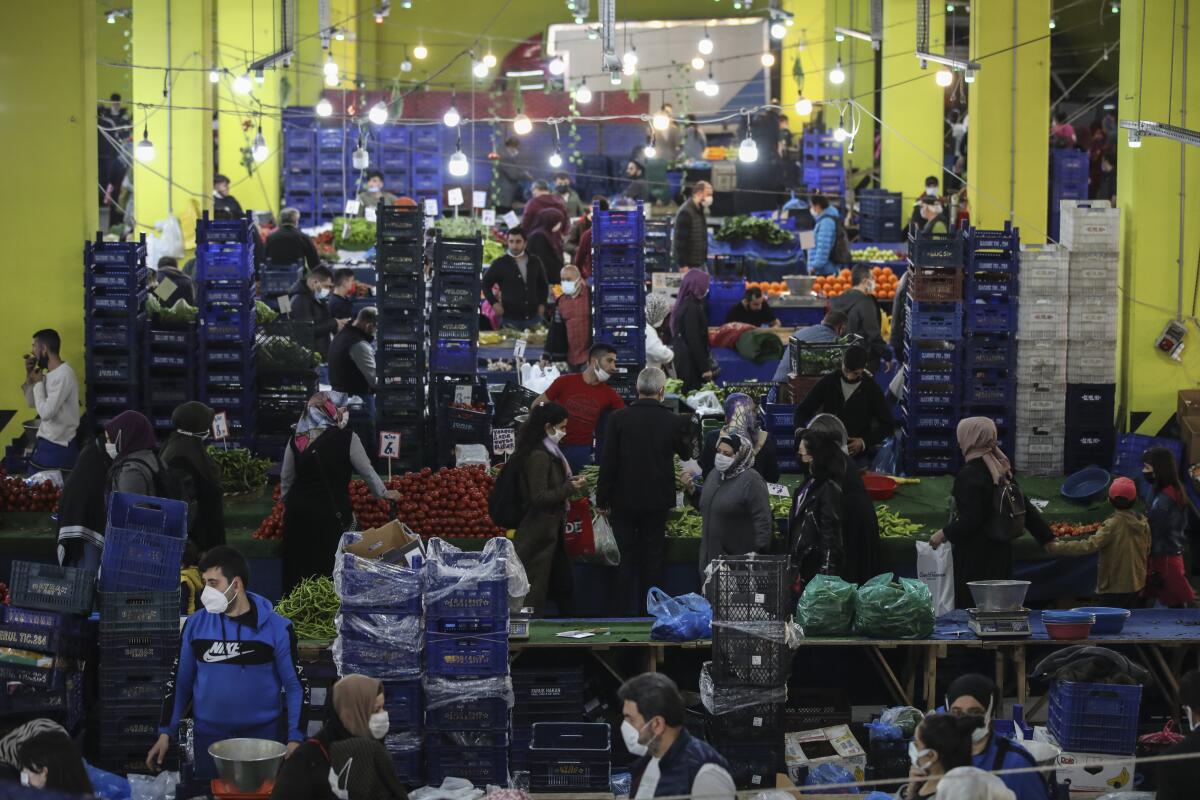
point(754, 766)
point(126, 724)
point(464, 256)
point(570, 756)
point(133, 687)
point(454, 323)
point(477, 756)
point(749, 588)
point(400, 259)
point(138, 650)
point(53, 675)
point(478, 713)
point(452, 290)
point(759, 723)
point(1088, 447)
point(935, 250)
point(1091, 404)
point(743, 658)
point(51, 587)
point(64, 704)
point(539, 686)
point(400, 292)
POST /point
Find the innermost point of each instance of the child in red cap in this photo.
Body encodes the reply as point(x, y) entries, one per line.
point(1123, 543)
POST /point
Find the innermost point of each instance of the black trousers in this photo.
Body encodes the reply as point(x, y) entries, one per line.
point(642, 539)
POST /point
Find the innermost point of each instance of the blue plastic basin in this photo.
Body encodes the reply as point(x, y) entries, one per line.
point(1108, 620)
point(1074, 617)
point(1086, 483)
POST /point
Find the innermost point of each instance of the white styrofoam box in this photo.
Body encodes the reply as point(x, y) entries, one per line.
point(1094, 273)
point(1091, 362)
point(1039, 451)
point(1043, 318)
point(1043, 270)
point(1041, 353)
point(1089, 225)
point(1092, 318)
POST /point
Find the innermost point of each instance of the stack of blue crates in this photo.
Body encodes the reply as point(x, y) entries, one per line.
point(426, 174)
point(993, 263)
point(392, 157)
point(300, 164)
point(658, 244)
point(380, 634)
point(225, 296)
point(171, 367)
point(880, 216)
point(454, 324)
point(115, 289)
point(933, 353)
point(619, 291)
point(1069, 172)
point(822, 162)
point(467, 682)
point(400, 359)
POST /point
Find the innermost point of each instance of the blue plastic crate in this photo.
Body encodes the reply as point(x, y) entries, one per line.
point(135, 561)
point(473, 714)
point(990, 387)
point(41, 631)
point(934, 320)
point(163, 339)
point(426, 137)
point(1094, 717)
point(482, 765)
point(630, 343)
point(395, 163)
point(234, 293)
point(109, 368)
point(474, 599)
point(927, 355)
point(330, 182)
point(992, 317)
point(379, 627)
point(984, 284)
point(619, 294)
point(404, 702)
point(466, 655)
point(382, 659)
point(394, 135)
point(115, 279)
point(943, 463)
point(118, 332)
point(330, 138)
point(227, 324)
point(989, 351)
point(232, 400)
point(618, 227)
point(925, 441)
point(224, 261)
point(628, 317)
point(994, 262)
point(139, 650)
point(426, 162)
point(409, 763)
point(925, 395)
point(932, 418)
point(277, 279)
point(426, 182)
point(117, 255)
point(114, 302)
point(170, 359)
point(1007, 240)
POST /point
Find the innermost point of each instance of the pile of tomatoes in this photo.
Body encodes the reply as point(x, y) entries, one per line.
point(18, 495)
point(834, 285)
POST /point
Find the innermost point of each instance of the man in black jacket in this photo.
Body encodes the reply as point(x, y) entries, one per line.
point(521, 302)
point(308, 296)
point(852, 395)
point(691, 230)
point(636, 487)
point(289, 245)
point(225, 205)
point(352, 371)
point(862, 314)
point(341, 298)
point(1178, 779)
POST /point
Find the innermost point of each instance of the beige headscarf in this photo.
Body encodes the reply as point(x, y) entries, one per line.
point(977, 439)
point(354, 701)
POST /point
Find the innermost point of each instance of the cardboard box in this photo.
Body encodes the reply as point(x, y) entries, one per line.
point(394, 543)
point(1187, 404)
point(832, 745)
point(1189, 432)
point(1090, 772)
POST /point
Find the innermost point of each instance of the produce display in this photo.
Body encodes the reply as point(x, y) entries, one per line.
point(685, 524)
point(740, 228)
point(281, 353)
point(17, 494)
point(834, 285)
point(272, 525)
point(769, 288)
point(263, 313)
point(1068, 529)
point(461, 227)
point(353, 233)
point(324, 244)
point(240, 471)
point(892, 525)
point(876, 254)
point(311, 607)
point(535, 336)
point(180, 312)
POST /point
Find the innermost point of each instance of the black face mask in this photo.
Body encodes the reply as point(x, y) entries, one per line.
point(43, 361)
point(563, 188)
point(851, 380)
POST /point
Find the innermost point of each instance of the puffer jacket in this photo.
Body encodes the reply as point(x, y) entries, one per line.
point(690, 236)
point(824, 238)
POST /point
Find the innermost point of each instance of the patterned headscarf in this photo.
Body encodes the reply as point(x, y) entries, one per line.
point(658, 305)
point(977, 439)
point(320, 413)
point(743, 452)
point(741, 415)
point(695, 284)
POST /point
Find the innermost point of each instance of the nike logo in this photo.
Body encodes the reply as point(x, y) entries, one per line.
point(222, 651)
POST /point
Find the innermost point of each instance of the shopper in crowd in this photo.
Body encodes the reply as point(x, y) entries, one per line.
point(815, 543)
point(516, 286)
point(753, 309)
point(670, 761)
point(899, 318)
point(694, 140)
point(976, 696)
point(690, 235)
point(50, 761)
point(930, 217)
point(511, 177)
point(347, 753)
point(372, 193)
point(352, 371)
point(832, 328)
point(588, 399)
point(341, 296)
point(1106, 184)
point(545, 241)
point(136, 467)
point(309, 298)
point(1177, 780)
point(10, 744)
point(1123, 543)
point(562, 187)
point(542, 198)
point(186, 452)
point(574, 308)
point(855, 398)
point(82, 512)
point(317, 467)
point(670, 141)
point(288, 245)
point(636, 487)
point(1062, 133)
point(225, 205)
point(658, 306)
point(637, 188)
point(826, 221)
point(52, 389)
point(236, 657)
point(976, 555)
point(941, 742)
point(583, 254)
point(863, 317)
point(860, 525)
point(743, 415)
point(1168, 507)
point(548, 482)
point(735, 509)
point(172, 284)
point(689, 331)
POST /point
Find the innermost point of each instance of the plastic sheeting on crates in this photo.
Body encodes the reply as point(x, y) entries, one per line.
point(373, 584)
point(778, 631)
point(727, 699)
point(390, 629)
point(441, 692)
point(498, 560)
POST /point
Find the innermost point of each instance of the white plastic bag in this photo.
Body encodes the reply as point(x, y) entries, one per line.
point(160, 787)
point(607, 552)
point(935, 569)
point(471, 455)
point(167, 240)
point(705, 403)
point(537, 378)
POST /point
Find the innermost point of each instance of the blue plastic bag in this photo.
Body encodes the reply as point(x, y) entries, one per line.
point(831, 774)
point(887, 460)
point(107, 785)
point(678, 619)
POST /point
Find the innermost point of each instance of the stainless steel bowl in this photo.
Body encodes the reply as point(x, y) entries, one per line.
point(800, 284)
point(999, 595)
point(247, 762)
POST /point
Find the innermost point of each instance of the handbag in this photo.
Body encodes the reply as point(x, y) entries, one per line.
point(556, 338)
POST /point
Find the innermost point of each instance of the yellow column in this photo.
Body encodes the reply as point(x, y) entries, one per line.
point(810, 40)
point(1150, 180)
point(48, 127)
point(179, 179)
point(247, 30)
point(305, 78)
point(1007, 150)
point(343, 15)
point(912, 103)
point(859, 63)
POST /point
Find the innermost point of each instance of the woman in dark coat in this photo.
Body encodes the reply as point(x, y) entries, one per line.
point(82, 516)
point(547, 487)
point(815, 542)
point(976, 556)
point(546, 241)
point(689, 331)
point(860, 525)
point(314, 484)
point(186, 452)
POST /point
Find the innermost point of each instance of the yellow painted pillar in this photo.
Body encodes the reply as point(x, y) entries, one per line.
point(305, 77)
point(246, 31)
point(859, 64)
point(179, 179)
point(1007, 150)
point(810, 41)
point(912, 103)
point(1149, 182)
point(48, 126)
point(343, 15)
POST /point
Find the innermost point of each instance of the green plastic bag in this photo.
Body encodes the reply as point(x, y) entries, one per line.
point(892, 610)
point(826, 608)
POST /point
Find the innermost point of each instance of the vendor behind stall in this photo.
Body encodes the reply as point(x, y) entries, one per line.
point(832, 328)
point(753, 309)
point(853, 397)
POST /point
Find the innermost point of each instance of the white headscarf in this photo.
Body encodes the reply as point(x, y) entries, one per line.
point(972, 783)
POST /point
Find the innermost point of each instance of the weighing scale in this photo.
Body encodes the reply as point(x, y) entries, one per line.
point(518, 623)
point(999, 624)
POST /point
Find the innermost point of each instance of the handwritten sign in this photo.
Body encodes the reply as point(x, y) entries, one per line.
point(370, 215)
point(389, 444)
point(462, 394)
point(478, 198)
point(166, 287)
point(488, 216)
point(220, 425)
point(504, 441)
point(511, 220)
point(777, 490)
point(519, 348)
point(352, 207)
point(454, 197)
point(431, 208)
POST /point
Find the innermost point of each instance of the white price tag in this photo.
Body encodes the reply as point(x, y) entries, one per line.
point(166, 287)
point(679, 499)
point(462, 394)
point(519, 348)
point(488, 217)
point(370, 214)
point(504, 441)
point(431, 208)
point(777, 490)
point(478, 198)
point(352, 207)
point(511, 220)
point(285, 304)
point(454, 197)
point(389, 444)
point(759, 598)
point(220, 426)
point(756, 661)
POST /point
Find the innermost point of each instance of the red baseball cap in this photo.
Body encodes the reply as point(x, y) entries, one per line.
point(1123, 488)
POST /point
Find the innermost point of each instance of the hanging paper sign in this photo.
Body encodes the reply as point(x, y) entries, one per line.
point(478, 198)
point(166, 287)
point(504, 441)
point(454, 197)
point(431, 208)
point(519, 348)
point(389, 444)
point(220, 426)
point(352, 207)
point(777, 490)
point(462, 394)
point(511, 220)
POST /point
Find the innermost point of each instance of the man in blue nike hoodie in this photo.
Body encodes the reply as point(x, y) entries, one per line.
point(237, 656)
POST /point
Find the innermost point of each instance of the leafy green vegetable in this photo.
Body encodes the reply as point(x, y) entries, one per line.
point(240, 471)
point(311, 607)
point(460, 227)
point(353, 233)
point(281, 353)
point(263, 313)
point(492, 250)
point(739, 228)
point(181, 312)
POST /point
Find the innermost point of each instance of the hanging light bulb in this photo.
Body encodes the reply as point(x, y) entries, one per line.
point(650, 150)
point(804, 106)
point(944, 77)
point(110, 18)
point(557, 66)
point(1053, 23)
point(259, 148)
point(697, 62)
point(614, 78)
point(1114, 7)
point(451, 118)
point(459, 165)
point(480, 70)
point(522, 125)
point(242, 84)
point(712, 88)
point(836, 76)
point(214, 76)
point(949, 8)
point(489, 59)
point(324, 107)
point(378, 113)
point(839, 37)
point(629, 65)
point(583, 95)
point(332, 80)
point(260, 77)
point(555, 159)
point(701, 85)
point(420, 52)
point(631, 55)
point(360, 159)
point(406, 3)
point(339, 34)
point(705, 45)
point(660, 121)
point(969, 76)
point(840, 134)
point(593, 32)
point(768, 59)
point(748, 151)
point(406, 65)
point(145, 148)
point(779, 30)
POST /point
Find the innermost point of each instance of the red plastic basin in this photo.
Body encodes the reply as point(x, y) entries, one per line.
point(1068, 630)
point(879, 487)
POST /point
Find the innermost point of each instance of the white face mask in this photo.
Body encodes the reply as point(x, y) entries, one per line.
point(707, 202)
point(379, 724)
point(915, 756)
point(569, 287)
point(557, 435)
point(722, 462)
point(25, 778)
point(601, 375)
point(215, 601)
point(111, 449)
point(322, 293)
point(631, 735)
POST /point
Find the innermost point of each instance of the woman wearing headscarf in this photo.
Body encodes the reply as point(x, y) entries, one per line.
point(815, 545)
point(186, 452)
point(689, 331)
point(658, 306)
point(860, 525)
point(735, 510)
point(742, 415)
point(545, 240)
point(130, 443)
point(82, 516)
point(347, 757)
point(314, 485)
point(977, 556)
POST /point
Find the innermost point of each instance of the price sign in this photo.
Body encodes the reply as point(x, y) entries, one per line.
point(220, 426)
point(370, 214)
point(488, 216)
point(462, 394)
point(455, 197)
point(777, 490)
point(389, 444)
point(511, 220)
point(504, 441)
point(519, 348)
point(166, 287)
point(478, 199)
point(352, 207)
point(431, 208)
point(285, 304)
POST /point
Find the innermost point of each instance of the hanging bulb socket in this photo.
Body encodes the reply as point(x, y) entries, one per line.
point(259, 149)
point(145, 148)
point(522, 125)
point(324, 107)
